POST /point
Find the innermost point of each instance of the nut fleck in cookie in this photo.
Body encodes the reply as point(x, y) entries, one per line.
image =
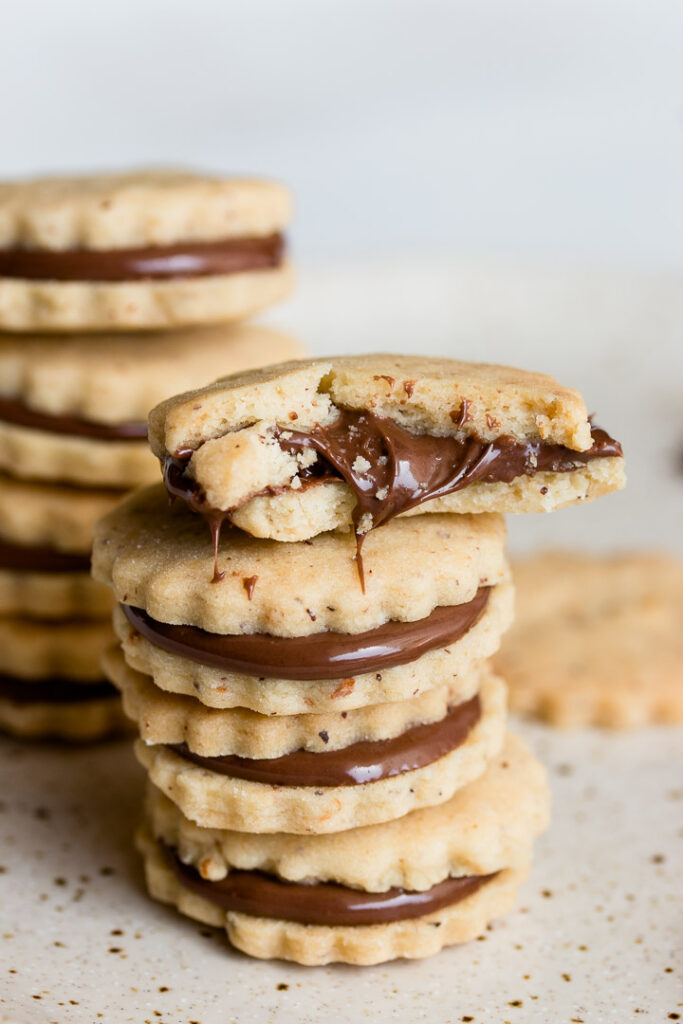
point(157, 249)
point(597, 640)
point(297, 449)
point(75, 411)
point(361, 784)
point(442, 891)
point(156, 559)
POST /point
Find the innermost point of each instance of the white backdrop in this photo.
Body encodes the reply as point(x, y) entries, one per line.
point(471, 127)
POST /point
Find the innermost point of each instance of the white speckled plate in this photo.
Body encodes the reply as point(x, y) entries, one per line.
point(596, 937)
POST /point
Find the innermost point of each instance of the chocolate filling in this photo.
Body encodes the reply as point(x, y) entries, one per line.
point(13, 411)
point(324, 655)
point(321, 903)
point(391, 470)
point(55, 690)
point(365, 761)
point(186, 259)
point(21, 558)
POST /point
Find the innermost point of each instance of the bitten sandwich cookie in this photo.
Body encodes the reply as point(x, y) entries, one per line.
point(597, 640)
point(294, 450)
point(156, 249)
point(405, 888)
point(75, 410)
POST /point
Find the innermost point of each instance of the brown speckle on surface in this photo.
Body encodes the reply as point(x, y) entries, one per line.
point(409, 387)
point(674, 1016)
point(546, 894)
point(658, 858)
point(282, 986)
point(544, 490)
point(294, 415)
point(163, 988)
point(515, 1002)
point(106, 871)
point(311, 615)
point(566, 977)
point(466, 1019)
point(324, 735)
point(42, 814)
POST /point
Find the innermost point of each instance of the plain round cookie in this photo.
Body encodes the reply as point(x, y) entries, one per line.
point(39, 649)
point(118, 378)
point(53, 595)
point(225, 802)
point(268, 938)
point(137, 209)
point(160, 559)
point(488, 824)
point(164, 718)
point(452, 666)
point(51, 515)
point(597, 640)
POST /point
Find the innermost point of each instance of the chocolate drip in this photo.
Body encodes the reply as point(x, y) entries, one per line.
point(186, 259)
point(22, 558)
point(359, 763)
point(321, 903)
point(323, 655)
point(55, 690)
point(13, 411)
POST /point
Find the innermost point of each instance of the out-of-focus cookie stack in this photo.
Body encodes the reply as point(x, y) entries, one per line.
point(329, 772)
point(122, 256)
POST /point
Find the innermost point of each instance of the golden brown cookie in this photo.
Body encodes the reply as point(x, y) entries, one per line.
point(141, 250)
point(159, 559)
point(597, 640)
point(298, 449)
point(217, 800)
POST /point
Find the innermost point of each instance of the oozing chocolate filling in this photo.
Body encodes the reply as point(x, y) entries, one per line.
point(321, 903)
point(391, 470)
point(323, 655)
point(55, 690)
point(13, 411)
point(21, 558)
point(366, 761)
point(185, 259)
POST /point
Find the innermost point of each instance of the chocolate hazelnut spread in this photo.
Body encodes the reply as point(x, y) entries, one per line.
point(321, 903)
point(22, 558)
point(55, 690)
point(323, 655)
point(14, 411)
point(185, 259)
point(391, 470)
point(359, 763)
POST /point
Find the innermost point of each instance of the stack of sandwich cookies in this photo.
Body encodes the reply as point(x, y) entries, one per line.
point(323, 684)
point(73, 438)
point(106, 254)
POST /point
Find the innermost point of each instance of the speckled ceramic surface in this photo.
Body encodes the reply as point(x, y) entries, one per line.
point(596, 938)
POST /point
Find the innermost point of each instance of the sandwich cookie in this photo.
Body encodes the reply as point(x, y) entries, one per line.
point(294, 450)
point(362, 896)
point(232, 769)
point(51, 682)
point(597, 640)
point(148, 249)
point(75, 412)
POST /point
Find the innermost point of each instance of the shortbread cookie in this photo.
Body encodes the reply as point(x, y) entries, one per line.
point(315, 944)
point(164, 718)
point(53, 516)
point(70, 649)
point(156, 559)
point(60, 710)
point(487, 824)
point(76, 412)
point(311, 793)
point(597, 640)
point(483, 834)
point(225, 687)
point(141, 250)
point(52, 595)
point(301, 448)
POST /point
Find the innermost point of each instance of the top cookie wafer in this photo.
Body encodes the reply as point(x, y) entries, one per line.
point(139, 250)
point(300, 448)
